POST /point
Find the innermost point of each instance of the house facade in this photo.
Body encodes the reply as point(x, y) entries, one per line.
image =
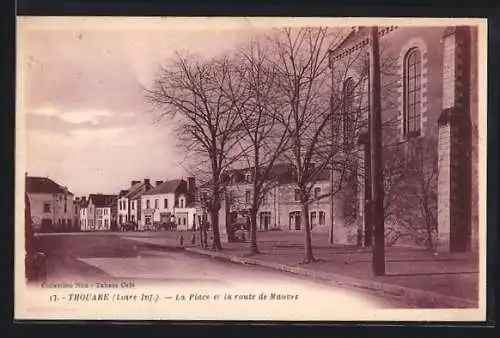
point(84, 214)
point(123, 206)
point(76, 213)
point(51, 204)
point(429, 109)
point(98, 216)
point(128, 204)
point(171, 201)
point(280, 207)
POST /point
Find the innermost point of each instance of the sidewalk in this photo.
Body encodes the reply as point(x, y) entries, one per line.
point(166, 240)
point(421, 277)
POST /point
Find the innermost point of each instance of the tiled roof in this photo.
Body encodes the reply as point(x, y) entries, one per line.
point(43, 185)
point(284, 173)
point(82, 203)
point(123, 193)
point(101, 200)
point(166, 187)
point(137, 190)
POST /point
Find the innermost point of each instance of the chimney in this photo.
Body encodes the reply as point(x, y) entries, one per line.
point(190, 184)
point(158, 183)
point(132, 183)
point(146, 181)
point(191, 188)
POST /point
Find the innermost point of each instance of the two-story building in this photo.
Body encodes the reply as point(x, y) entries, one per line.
point(171, 201)
point(280, 207)
point(128, 204)
point(51, 204)
point(78, 204)
point(98, 213)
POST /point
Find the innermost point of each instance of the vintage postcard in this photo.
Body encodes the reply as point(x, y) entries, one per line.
point(291, 169)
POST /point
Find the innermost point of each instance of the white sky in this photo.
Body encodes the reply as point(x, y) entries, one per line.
point(87, 124)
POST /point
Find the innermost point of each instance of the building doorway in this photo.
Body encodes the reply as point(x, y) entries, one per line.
point(265, 220)
point(294, 220)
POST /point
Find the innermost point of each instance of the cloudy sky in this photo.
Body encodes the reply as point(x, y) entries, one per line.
point(87, 123)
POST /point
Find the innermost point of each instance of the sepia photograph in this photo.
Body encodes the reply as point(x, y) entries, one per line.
point(291, 169)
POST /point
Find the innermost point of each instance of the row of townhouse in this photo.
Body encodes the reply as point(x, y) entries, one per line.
point(143, 205)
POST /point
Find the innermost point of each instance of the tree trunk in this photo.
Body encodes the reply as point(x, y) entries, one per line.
point(216, 244)
point(202, 243)
point(253, 232)
point(430, 244)
point(309, 257)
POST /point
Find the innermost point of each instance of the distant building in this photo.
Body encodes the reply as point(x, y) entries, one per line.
point(98, 213)
point(76, 213)
point(280, 207)
point(84, 214)
point(128, 204)
point(78, 204)
point(51, 204)
point(170, 201)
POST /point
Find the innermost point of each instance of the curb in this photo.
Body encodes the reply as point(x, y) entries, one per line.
point(413, 297)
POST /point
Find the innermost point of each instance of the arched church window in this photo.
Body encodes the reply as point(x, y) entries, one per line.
point(412, 93)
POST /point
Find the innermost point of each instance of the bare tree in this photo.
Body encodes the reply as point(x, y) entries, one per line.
point(314, 113)
point(410, 182)
point(264, 136)
point(192, 93)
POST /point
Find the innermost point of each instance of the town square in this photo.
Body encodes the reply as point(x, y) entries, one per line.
point(336, 158)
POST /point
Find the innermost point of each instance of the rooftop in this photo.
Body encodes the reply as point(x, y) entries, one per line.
point(44, 185)
point(101, 200)
point(137, 190)
point(166, 187)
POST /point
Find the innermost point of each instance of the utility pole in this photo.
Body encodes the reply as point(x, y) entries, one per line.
point(332, 173)
point(378, 249)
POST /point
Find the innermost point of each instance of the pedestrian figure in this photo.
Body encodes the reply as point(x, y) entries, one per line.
point(205, 231)
point(201, 235)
